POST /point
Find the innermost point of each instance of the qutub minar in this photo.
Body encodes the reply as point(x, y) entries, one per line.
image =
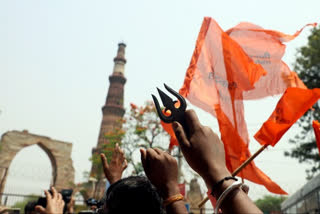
point(113, 109)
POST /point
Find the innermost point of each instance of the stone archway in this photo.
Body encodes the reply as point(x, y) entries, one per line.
point(58, 152)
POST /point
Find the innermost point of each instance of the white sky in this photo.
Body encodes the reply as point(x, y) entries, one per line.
point(56, 56)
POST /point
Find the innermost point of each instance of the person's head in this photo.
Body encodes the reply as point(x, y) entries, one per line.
point(134, 194)
point(30, 207)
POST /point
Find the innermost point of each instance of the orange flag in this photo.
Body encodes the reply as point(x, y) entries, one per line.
point(219, 73)
point(168, 128)
point(316, 129)
point(266, 47)
point(292, 105)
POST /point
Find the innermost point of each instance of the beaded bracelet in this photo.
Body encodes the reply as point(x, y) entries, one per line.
point(171, 199)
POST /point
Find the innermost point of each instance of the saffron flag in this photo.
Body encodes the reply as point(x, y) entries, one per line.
point(168, 128)
point(265, 47)
point(316, 129)
point(219, 73)
point(291, 106)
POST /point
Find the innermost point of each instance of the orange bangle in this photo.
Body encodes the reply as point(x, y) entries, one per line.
point(171, 199)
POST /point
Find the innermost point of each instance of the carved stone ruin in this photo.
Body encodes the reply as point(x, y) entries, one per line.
point(58, 152)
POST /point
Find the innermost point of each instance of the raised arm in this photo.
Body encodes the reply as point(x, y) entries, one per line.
point(55, 204)
point(162, 170)
point(113, 171)
point(205, 154)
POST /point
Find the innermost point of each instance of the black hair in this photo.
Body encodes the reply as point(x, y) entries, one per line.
point(134, 194)
point(30, 207)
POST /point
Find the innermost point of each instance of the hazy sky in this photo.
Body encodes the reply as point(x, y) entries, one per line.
point(56, 56)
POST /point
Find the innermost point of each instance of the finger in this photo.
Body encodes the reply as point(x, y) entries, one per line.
point(151, 153)
point(158, 151)
point(144, 159)
point(117, 149)
point(104, 161)
point(40, 209)
point(59, 196)
point(61, 201)
point(192, 121)
point(54, 192)
point(48, 195)
point(125, 164)
point(121, 152)
point(180, 135)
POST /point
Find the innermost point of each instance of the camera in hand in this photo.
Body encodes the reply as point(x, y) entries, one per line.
point(66, 196)
point(93, 202)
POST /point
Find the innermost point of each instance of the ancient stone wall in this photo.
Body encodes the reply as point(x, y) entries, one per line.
point(58, 152)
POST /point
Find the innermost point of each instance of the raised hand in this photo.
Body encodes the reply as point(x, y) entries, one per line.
point(113, 171)
point(204, 152)
point(55, 204)
point(162, 170)
point(203, 149)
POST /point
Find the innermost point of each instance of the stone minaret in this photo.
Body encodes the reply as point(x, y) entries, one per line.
point(112, 111)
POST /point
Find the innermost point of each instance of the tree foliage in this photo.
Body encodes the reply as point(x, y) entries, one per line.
point(270, 204)
point(22, 204)
point(140, 128)
point(308, 68)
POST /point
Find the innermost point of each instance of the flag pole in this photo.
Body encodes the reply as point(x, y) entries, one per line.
point(235, 172)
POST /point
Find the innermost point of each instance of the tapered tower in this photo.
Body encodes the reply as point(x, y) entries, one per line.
point(113, 109)
point(112, 112)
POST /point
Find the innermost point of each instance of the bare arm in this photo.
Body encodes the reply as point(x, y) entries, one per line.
point(162, 170)
point(205, 153)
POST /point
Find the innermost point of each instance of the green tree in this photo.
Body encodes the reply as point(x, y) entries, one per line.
point(140, 128)
point(308, 68)
point(270, 204)
point(22, 204)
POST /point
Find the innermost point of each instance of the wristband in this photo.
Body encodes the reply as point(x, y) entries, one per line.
point(219, 183)
point(171, 199)
point(235, 185)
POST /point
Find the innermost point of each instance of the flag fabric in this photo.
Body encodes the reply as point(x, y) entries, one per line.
point(316, 129)
point(220, 72)
point(235, 145)
point(265, 47)
point(173, 140)
point(291, 106)
point(168, 128)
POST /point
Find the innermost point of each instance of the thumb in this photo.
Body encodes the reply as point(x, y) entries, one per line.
point(180, 135)
point(105, 164)
point(104, 161)
point(143, 158)
point(40, 209)
point(125, 165)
